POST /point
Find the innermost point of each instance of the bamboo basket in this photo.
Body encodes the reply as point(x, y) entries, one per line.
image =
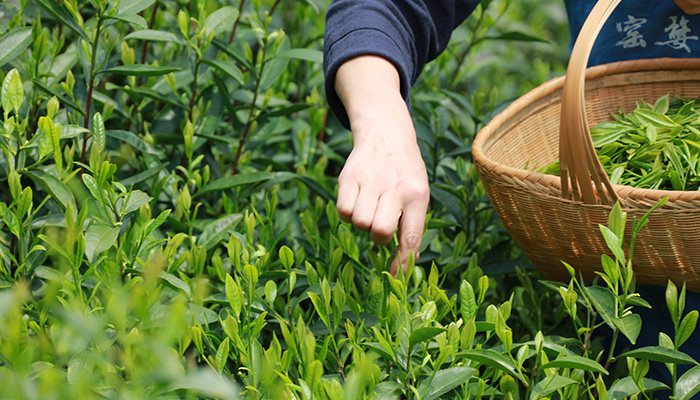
point(550, 123)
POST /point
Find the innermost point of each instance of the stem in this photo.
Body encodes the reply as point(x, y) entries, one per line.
point(145, 42)
point(194, 89)
point(612, 348)
point(250, 114)
point(235, 24)
point(92, 86)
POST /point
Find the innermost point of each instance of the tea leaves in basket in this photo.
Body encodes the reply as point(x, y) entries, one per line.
point(654, 146)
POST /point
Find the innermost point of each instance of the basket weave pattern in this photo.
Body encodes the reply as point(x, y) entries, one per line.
point(548, 228)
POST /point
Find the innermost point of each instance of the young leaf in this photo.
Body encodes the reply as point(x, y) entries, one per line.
point(234, 296)
point(12, 94)
point(467, 301)
point(686, 327)
point(286, 257)
point(222, 355)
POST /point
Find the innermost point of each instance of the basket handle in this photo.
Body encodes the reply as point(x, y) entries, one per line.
point(580, 168)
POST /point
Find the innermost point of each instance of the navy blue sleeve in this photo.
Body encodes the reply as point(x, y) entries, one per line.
point(408, 33)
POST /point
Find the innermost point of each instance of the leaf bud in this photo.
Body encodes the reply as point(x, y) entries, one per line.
point(52, 107)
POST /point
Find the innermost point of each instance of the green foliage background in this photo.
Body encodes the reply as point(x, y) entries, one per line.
point(168, 228)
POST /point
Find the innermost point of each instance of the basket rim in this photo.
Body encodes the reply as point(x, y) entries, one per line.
point(556, 85)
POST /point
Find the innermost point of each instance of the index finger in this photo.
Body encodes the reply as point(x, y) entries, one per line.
point(410, 234)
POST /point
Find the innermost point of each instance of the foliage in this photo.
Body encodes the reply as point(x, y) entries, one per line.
point(654, 146)
point(168, 227)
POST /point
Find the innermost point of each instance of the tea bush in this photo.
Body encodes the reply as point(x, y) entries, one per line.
point(168, 227)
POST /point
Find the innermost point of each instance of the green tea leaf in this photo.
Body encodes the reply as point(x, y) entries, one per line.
point(660, 354)
point(230, 182)
point(130, 19)
point(286, 257)
point(686, 327)
point(12, 94)
point(143, 70)
point(234, 295)
point(175, 282)
point(220, 20)
point(152, 35)
point(467, 300)
point(98, 238)
point(576, 362)
point(549, 385)
point(222, 355)
point(689, 384)
point(137, 199)
point(64, 17)
point(444, 381)
point(227, 68)
point(491, 358)
point(133, 6)
point(14, 43)
point(420, 335)
point(52, 185)
point(626, 388)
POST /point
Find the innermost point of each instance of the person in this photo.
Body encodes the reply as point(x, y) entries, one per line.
point(374, 51)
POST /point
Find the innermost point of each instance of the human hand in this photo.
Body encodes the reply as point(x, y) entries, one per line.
point(384, 184)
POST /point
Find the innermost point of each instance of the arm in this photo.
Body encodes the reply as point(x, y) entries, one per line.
point(384, 180)
point(374, 52)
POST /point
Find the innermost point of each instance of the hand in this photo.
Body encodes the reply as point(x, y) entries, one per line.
point(384, 184)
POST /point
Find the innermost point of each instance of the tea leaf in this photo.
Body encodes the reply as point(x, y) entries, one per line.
point(549, 385)
point(444, 381)
point(660, 354)
point(142, 70)
point(53, 186)
point(13, 44)
point(152, 35)
point(491, 358)
point(689, 384)
point(576, 362)
point(98, 238)
point(626, 388)
point(233, 181)
point(420, 335)
point(467, 300)
point(686, 328)
point(219, 20)
point(133, 6)
point(64, 17)
point(227, 68)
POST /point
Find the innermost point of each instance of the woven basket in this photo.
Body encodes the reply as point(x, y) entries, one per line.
point(550, 227)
